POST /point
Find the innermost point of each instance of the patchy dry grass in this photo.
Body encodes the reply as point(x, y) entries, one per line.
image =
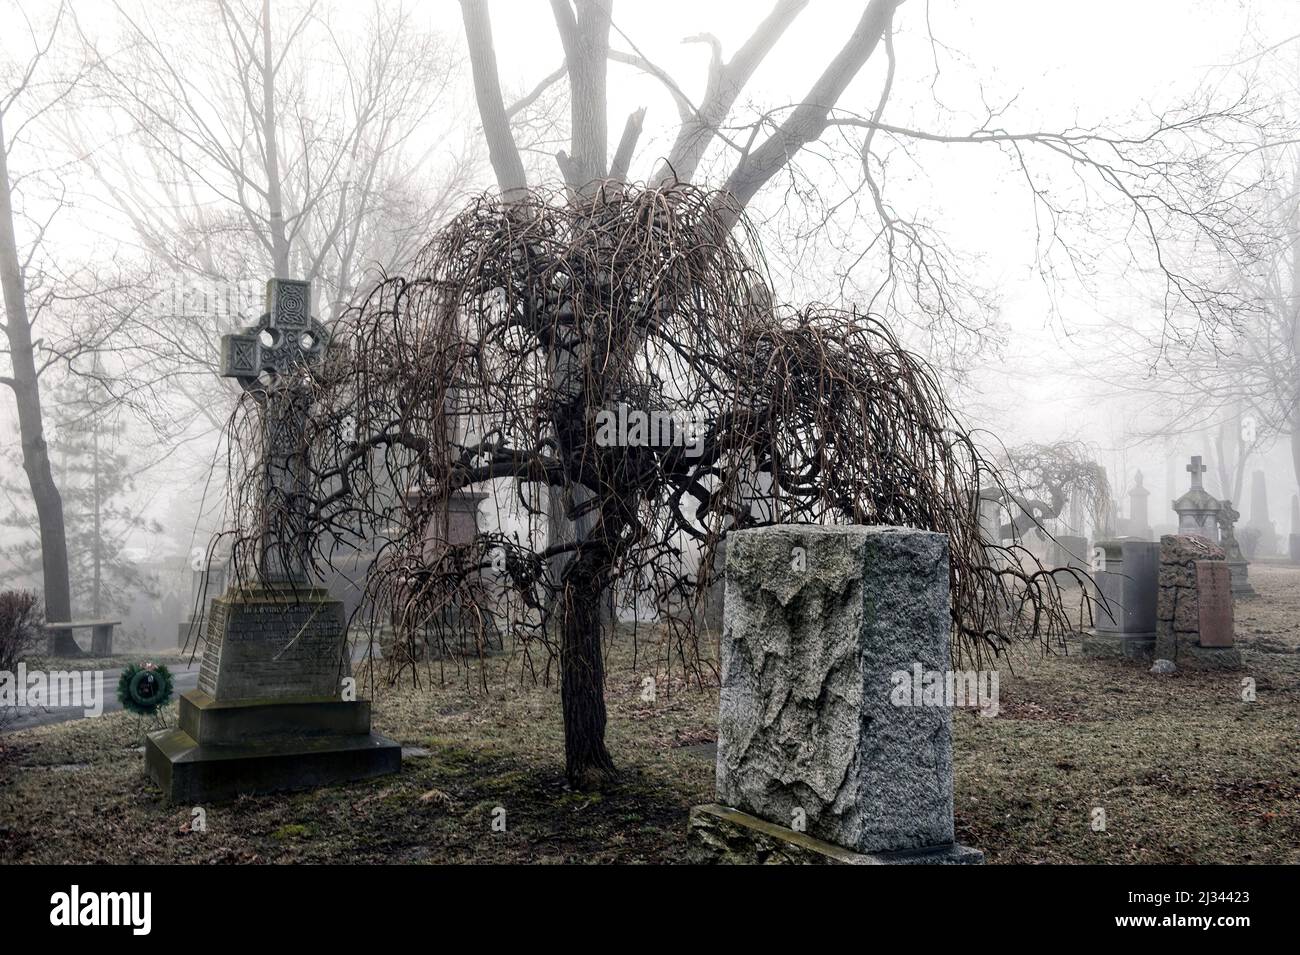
point(1184, 769)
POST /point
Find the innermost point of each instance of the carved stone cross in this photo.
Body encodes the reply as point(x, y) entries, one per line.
point(273, 359)
point(1196, 469)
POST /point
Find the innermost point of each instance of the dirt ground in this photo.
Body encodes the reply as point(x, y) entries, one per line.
point(1184, 769)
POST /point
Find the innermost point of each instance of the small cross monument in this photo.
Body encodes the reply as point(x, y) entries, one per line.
point(274, 360)
point(1198, 511)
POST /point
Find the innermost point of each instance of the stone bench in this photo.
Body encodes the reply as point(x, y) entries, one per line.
point(101, 633)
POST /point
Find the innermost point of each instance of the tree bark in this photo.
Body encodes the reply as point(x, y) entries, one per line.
point(26, 388)
point(582, 675)
point(270, 144)
point(807, 121)
point(502, 151)
point(585, 37)
point(726, 80)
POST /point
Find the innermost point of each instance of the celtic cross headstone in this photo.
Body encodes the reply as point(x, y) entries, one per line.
point(274, 360)
point(275, 707)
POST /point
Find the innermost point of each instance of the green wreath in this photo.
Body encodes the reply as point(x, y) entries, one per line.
point(145, 688)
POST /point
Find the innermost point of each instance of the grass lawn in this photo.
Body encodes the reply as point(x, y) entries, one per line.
point(1183, 768)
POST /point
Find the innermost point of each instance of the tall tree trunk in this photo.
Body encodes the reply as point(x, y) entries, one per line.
point(1295, 455)
point(270, 141)
point(27, 396)
point(582, 675)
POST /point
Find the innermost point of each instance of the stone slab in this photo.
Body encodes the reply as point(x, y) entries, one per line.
point(1127, 587)
point(1119, 646)
point(1214, 603)
point(230, 724)
point(191, 773)
point(274, 643)
point(721, 835)
point(816, 619)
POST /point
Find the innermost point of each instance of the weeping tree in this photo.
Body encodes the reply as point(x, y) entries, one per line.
point(1041, 479)
point(525, 328)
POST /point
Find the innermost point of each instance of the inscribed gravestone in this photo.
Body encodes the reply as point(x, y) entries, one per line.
point(1214, 603)
point(269, 712)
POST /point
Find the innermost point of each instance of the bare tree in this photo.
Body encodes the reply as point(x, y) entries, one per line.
point(28, 87)
point(251, 139)
point(648, 300)
point(1157, 179)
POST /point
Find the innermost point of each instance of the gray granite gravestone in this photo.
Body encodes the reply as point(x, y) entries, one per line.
point(1069, 550)
point(271, 711)
point(1125, 615)
point(817, 760)
point(205, 583)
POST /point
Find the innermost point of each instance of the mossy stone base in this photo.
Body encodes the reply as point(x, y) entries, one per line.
point(722, 835)
point(191, 773)
point(224, 750)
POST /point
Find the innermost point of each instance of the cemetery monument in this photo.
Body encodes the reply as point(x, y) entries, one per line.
point(1194, 618)
point(817, 759)
point(1125, 614)
point(272, 711)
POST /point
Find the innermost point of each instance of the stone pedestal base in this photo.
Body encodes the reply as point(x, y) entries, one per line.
point(722, 835)
point(1119, 646)
point(1196, 657)
point(223, 750)
point(269, 712)
point(1240, 580)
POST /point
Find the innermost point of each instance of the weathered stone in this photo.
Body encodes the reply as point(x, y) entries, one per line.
point(1164, 666)
point(816, 620)
point(1180, 636)
point(1117, 646)
point(1186, 610)
point(1195, 656)
point(1198, 511)
point(720, 835)
point(1165, 598)
point(279, 642)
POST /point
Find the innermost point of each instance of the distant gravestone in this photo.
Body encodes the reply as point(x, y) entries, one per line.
point(1237, 565)
point(1069, 550)
point(817, 761)
point(1263, 534)
point(1125, 614)
point(205, 583)
point(1197, 509)
point(1194, 623)
point(1294, 539)
point(1139, 520)
point(271, 711)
